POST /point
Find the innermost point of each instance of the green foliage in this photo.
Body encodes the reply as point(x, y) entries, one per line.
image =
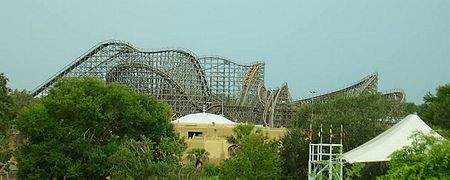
point(5, 151)
point(198, 168)
point(370, 171)
point(363, 117)
point(5, 117)
point(198, 157)
point(295, 142)
point(240, 131)
point(3, 85)
point(133, 159)
point(73, 130)
point(427, 158)
point(412, 108)
point(10, 103)
point(436, 109)
point(441, 131)
point(188, 171)
point(211, 170)
point(19, 100)
point(354, 171)
point(170, 149)
point(5, 105)
point(256, 158)
point(145, 159)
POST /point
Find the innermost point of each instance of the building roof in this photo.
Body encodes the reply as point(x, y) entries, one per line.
point(203, 118)
point(382, 146)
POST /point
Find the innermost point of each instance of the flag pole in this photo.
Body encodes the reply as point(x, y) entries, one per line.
point(320, 146)
point(321, 135)
point(331, 134)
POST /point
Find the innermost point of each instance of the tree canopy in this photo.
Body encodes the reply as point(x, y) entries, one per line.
point(240, 131)
point(73, 130)
point(5, 104)
point(144, 159)
point(427, 157)
point(256, 158)
point(198, 157)
point(436, 109)
point(19, 100)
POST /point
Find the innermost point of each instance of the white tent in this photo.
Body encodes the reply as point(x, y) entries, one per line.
point(380, 147)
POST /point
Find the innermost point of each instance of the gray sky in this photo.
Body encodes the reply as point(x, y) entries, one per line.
point(312, 45)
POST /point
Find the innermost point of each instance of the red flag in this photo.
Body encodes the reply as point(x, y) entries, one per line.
point(344, 133)
point(310, 133)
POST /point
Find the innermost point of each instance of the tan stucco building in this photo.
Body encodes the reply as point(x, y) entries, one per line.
point(209, 131)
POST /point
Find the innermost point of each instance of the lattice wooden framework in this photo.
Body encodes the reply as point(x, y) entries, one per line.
point(187, 82)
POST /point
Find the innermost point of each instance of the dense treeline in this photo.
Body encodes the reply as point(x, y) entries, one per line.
point(436, 110)
point(85, 128)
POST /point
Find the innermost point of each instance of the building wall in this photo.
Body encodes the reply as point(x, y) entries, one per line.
point(213, 137)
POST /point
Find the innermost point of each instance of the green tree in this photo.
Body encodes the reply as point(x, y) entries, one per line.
point(436, 110)
point(211, 171)
point(240, 131)
point(354, 171)
point(363, 117)
point(427, 157)
point(256, 158)
point(19, 100)
point(5, 105)
point(295, 164)
point(73, 130)
point(10, 104)
point(412, 108)
point(198, 156)
point(145, 159)
point(6, 116)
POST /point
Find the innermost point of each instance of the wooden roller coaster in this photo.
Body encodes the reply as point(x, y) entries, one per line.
point(187, 82)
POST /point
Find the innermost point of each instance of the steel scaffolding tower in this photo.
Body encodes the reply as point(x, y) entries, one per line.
point(325, 159)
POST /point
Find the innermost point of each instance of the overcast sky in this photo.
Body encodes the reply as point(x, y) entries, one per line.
point(311, 45)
